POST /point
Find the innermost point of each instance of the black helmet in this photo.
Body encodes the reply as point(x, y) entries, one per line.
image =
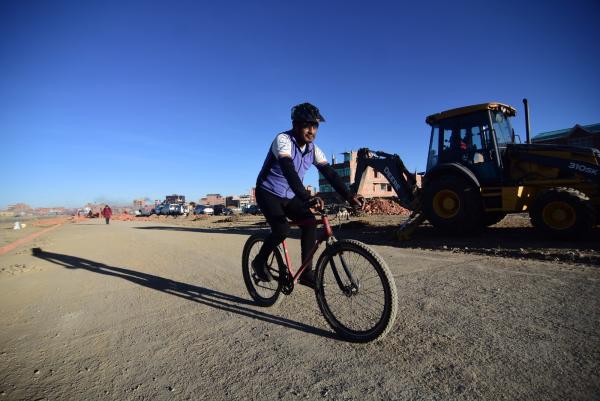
point(306, 112)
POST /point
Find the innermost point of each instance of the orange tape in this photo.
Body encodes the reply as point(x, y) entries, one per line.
point(13, 245)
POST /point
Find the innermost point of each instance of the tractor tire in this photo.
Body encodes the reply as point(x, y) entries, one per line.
point(564, 213)
point(491, 218)
point(452, 204)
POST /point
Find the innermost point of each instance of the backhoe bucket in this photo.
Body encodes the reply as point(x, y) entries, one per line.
point(409, 226)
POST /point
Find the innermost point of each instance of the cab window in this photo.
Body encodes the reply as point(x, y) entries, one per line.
point(502, 128)
point(463, 139)
point(432, 159)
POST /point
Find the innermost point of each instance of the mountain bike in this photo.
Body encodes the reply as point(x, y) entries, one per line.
point(355, 289)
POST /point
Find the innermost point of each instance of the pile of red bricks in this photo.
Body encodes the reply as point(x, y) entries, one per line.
point(385, 207)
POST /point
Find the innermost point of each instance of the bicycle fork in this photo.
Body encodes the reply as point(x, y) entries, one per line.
point(353, 286)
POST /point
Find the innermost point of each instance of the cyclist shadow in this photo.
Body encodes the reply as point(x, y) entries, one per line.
point(202, 295)
point(244, 230)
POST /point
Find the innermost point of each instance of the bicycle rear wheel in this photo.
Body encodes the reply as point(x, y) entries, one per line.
point(264, 293)
point(362, 311)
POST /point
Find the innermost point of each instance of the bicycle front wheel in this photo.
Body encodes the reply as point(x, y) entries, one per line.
point(356, 291)
point(265, 293)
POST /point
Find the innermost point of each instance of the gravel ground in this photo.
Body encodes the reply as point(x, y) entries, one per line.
point(158, 310)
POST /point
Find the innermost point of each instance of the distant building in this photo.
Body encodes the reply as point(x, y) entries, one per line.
point(19, 208)
point(212, 199)
point(232, 201)
point(175, 199)
point(51, 211)
point(374, 184)
point(579, 135)
point(139, 203)
point(245, 201)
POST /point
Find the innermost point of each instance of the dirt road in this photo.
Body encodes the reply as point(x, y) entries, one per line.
point(147, 310)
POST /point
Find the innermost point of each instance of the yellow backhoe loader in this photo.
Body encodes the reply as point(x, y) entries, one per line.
point(476, 174)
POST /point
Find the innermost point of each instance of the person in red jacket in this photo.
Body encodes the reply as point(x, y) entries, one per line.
point(107, 213)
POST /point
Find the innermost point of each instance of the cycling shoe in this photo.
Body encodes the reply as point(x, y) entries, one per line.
point(261, 270)
point(308, 279)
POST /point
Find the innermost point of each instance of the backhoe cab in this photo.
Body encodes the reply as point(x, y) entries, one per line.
point(476, 174)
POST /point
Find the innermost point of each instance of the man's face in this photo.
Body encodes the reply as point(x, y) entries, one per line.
point(306, 134)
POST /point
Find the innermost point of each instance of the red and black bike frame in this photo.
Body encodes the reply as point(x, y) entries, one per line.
point(326, 234)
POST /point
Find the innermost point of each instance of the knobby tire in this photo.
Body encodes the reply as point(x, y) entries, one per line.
point(374, 271)
point(265, 294)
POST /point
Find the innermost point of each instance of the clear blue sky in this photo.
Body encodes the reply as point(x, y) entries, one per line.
point(116, 100)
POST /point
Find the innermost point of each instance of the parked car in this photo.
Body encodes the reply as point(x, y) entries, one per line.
point(202, 209)
point(174, 209)
point(221, 210)
point(145, 212)
point(158, 209)
point(185, 209)
point(164, 209)
point(253, 209)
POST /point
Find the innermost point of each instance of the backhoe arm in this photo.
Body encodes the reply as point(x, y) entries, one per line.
point(392, 167)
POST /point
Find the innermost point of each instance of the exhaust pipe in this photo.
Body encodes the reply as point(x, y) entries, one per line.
point(527, 128)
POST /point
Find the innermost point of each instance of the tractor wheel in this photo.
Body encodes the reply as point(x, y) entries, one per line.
point(491, 218)
point(452, 204)
point(562, 213)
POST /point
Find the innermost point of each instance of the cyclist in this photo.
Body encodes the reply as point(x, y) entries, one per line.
point(281, 194)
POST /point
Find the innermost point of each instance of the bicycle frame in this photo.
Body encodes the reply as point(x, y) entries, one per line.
point(325, 235)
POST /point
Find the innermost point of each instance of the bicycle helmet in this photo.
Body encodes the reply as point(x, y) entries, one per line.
point(306, 112)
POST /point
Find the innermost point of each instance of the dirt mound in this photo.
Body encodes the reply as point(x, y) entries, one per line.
point(385, 206)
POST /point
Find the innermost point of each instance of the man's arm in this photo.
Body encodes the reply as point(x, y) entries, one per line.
point(335, 180)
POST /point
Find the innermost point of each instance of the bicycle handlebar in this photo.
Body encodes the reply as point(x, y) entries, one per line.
point(318, 205)
point(344, 204)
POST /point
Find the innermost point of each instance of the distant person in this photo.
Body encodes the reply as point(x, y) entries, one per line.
point(280, 193)
point(107, 213)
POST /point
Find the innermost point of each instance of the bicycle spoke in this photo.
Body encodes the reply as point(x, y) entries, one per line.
point(357, 306)
point(375, 277)
point(360, 309)
point(365, 304)
point(371, 299)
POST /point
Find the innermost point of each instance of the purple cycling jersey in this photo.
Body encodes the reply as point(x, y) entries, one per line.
point(271, 176)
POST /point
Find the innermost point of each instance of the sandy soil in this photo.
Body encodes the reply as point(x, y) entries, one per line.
point(158, 310)
point(8, 234)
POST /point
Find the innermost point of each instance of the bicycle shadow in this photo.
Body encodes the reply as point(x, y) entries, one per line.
point(201, 295)
point(243, 230)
